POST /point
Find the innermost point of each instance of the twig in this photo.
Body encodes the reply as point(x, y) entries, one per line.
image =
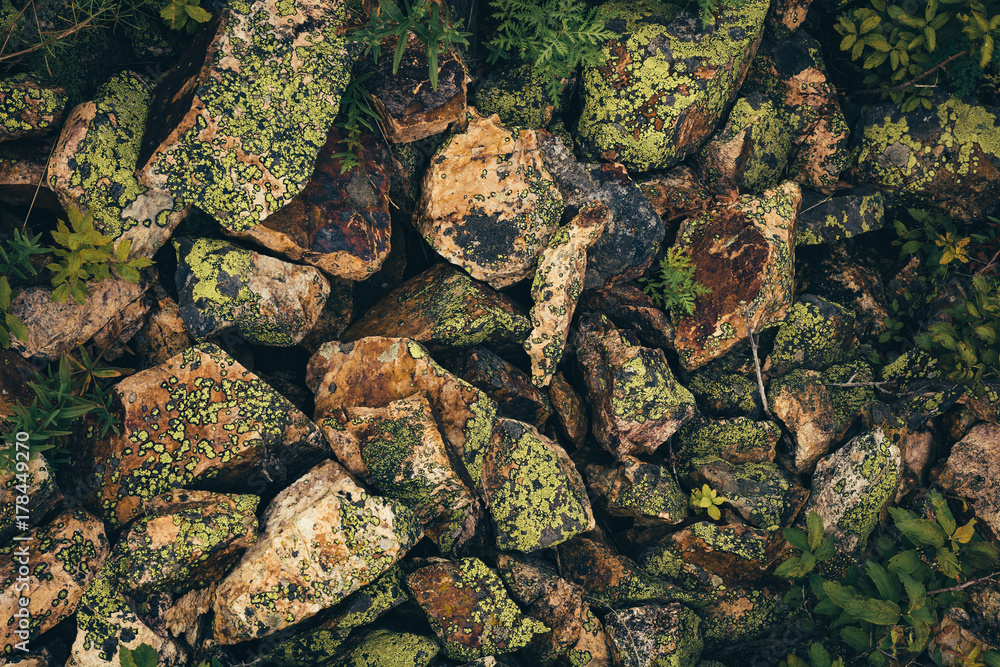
point(756, 361)
point(63, 34)
point(965, 585)
point(911, 82)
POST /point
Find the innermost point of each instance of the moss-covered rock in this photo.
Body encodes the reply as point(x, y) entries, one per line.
point(28, 108)
point(517, 95)
point(385, 648)
point(765, 494)
point(739, 440)
point(816, 334)
point(830, 218)
point(638, 489)
point(511, 388)
point(655, 636)
point(737, 553)
point(724, 395)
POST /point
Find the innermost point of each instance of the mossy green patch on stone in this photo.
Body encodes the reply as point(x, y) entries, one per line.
point(736, 440)
point(385, 648)
point(723, 394)
point(741, 615)
point(28, 108)
point(815, 334)
point(763, 493)
point(655, 635)
point(517, 95)
point(849, 402)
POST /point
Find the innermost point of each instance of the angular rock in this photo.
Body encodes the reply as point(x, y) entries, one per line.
point(954, 641)
point(739, 440)
point(736, 552)
point(745, 254)
point(741, 614)
point(336, 316)
point(638, 489)
point(967, 472)
point(489, 204)
point(664, 81)
point(38, 483)
point(630, 308)
point(23, 165)
point(57, 563)
point(339, 222)
point(28, 108)
point(532, 489)
point(945, 157)
point(675, 194)
point(93, 167)
point(557, 286)
point(654, 636)
point(838, 277)
point(222, 287)
point(591, 650)
point(385, 648)
point(238, 123)
point(920, 450)
point(517, 95)
point(185, 540)
point(163, 333)
point(470, 611)
point(443, 307)
point(509, 386)
point(570, 411)
point(849, 401)
point(201, 418)
point(324, 538)
point(815, 335)
point(830, 218)
point(635, 400)
point(724, 395)
point(785, 17)
point(801, 401)
point(764, 494)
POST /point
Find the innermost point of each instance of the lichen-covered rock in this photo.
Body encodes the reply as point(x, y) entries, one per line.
point(489, 204)
point(163, 333)
point(93, 167)
point(591, 650)
point(23, 165)
point(664, 80)
point(675, 194)
point(850, 387)
point(750, 153)
point(638, 489)
point(840, 277)
point(815, 335)
point(654, 636)
point(200, 418)
point(740, 614)
point(324, 538)
point(745, 254)
point(517, 95)
point(222, 287)
point(36, 482)
point(635, 400)
point(829, 218)
point(802, 402)
point(443, 307)
point(739, 440)
point(765, 494)
point(785, 18)
point(724, 395)
point(628, 307)
point(28, 108)
point(736, 552)
point(470, 611)
point(532, 489)
point(569, 409)
point(508, 385)
point(236, 126)
point(50, 569)
point(339, 222)
point(968, 472)
point(557, 286)
point(185, 539)
point(113, 312)
point(851, 486)
point(948, 157)
point(386, 648)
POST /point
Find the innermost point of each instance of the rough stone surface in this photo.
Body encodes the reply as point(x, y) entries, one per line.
point(638, 489)
point(967, 472)
point(40, 483)
point(739, 440)
point(517, 95)
point(324, 538)
point(815, 335)
point(830, 218)
point(801, 401)
point(569, 409)
point(508, 385)
point(28, 108)
point(765, 494)
point(724, 395)
point(163, 333)
point(675, 194)
point(238, 123)
point(489, 204)
point(736, 552)
point(223, 287)
point(655, 636)
point(385, 648)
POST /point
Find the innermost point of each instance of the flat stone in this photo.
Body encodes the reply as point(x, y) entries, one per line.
point(324, 538)
point(967, 472)
point(628, 307)
point(28, 108)
point(637, 489)
point(654, 636)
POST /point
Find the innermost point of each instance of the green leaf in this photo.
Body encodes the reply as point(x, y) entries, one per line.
point(910, 247)
point(875, 59)
point(948, 563)
point(869, 24)
point(943, 513)
point(5, 293)
point(878, 612)
point(859, 48)
point(886, 582)
point(125, 658)
point(826, 550)
point(922, 531)
point(915, 591)
point(197, 13)
point(981, 555)
point(16, 327)
point(855, 638)
point(931, 38)
point(848, 42)
point(797, 538)
point(819, 656)
point(128, 274)
point(814, 524)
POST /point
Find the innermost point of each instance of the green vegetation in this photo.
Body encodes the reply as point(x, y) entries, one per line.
point(706, 498)
point(355, 112)
point(676, 288)
point(889, 608)
point(15, 259)
point(184, 15)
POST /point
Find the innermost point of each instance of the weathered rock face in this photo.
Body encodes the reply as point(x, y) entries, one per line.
point(93, 167)
point(801, 401)
point(570, 411)
point(611, 581)
point(745, 254)
point(38, 483)
point(675, 194)
point(324, 538)
point(339, 222)
point(28, 108)
point(736, 552)
point(655, 636)
point(223, 287)
point(488, 202)
point(470, 611)
point(443, 307)
point(237, 125)
point(967, 472)
point(517, 95)
point(739, 440)
point(199, 418)
point(816, 334)
point(826, 219)
point(947, 157)
point(509, 386)
point(163, 333)
point(406, 649)
point(638, 489)
point(765, 494)
point(664, 82)
point(635, 400)
point(723, 395)
point(57, 563)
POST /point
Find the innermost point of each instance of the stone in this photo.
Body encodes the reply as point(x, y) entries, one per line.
point(511, 388)
point(739, 440)
point(675, 194)
point(738, 553)
point(946, 157)
point(724, 395)
point(489, 204)
point(802, 402)
point(23, 166)
point(517, 95)
point(336, 316)
point(163, 333)
point(38, 483)
point(569, 410)
point(591, 650)
point(222, 287)
point(340, 221)
point(830, 218)
point(93, 165)
point(750, 152)
point(765, 494)
point(664, 81)
point(654, 636)
point(635, 400)
point(238, 123)
point(840, 277)
point(745, 254)
point(967, 474)
point(443, 307)
point(637, 489)
point(56, 563)
point(630, 308)
point(556, 289)
point(408, 104)
point(469, 610)
point(740, 615)
point(954, 641)
point(324, 538)
point(920, 450)
point(532, 489)
point(184, 540)
point(29, 108)
point(199, 419)
point(385, 648)
point(112, 312)
point(849, 401)
point(815, 335)
point(785, 17)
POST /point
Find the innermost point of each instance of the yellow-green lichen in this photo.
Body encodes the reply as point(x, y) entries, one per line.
point(385, 648)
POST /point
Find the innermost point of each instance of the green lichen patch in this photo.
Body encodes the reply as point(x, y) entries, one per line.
point(815, 335)
point(765, 494)
point(723, 395)
point(735, 552)
point(470, 611)
point(517, 95)
point(638, 489)
point(742, 614)
point(38, 481)
point(739, 440)
point(660, 635)
point(385, 648)
point(28, 108)
point(829, 218)
point(849, 402)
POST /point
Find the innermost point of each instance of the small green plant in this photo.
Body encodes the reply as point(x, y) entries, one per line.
point(708, 8)
point(676, 288)
point(184, 15)
point(11, 324)
point(424, 20)
point(15, 259)
point(889, 610)
point(87, 254)
point(707, 499)
point(553, 36)
point(355, 105)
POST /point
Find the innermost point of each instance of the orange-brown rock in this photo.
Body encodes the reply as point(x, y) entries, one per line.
point(969, 474)
point(801, 401)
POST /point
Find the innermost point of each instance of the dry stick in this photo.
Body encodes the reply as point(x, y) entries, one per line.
point(72, 30)
point(911, 82)
point(38, 186)
point(965, 585)
point(756, 362)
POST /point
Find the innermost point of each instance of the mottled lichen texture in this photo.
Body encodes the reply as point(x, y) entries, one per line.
point(386, 648)
point(237, 125)
point(28, 108)
point(38, 482)
point(638, 489)
point(517, 96)
point(93, 167)
point(324, 538)
point(970, 472)
point(827, 218)
point(660, 635)
point(664, 81)
point(489, 205)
